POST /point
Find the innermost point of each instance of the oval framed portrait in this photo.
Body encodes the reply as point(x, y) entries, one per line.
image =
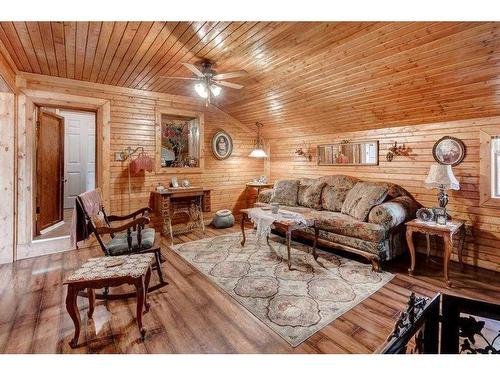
point(222, 145)
point(449, 151)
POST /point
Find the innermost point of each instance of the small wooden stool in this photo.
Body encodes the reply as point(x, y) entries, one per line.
point(431, 228)
point(97, 273)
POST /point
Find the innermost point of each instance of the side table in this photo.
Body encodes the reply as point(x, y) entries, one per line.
point(445, 231)
point(97, 273)
point(258, 187)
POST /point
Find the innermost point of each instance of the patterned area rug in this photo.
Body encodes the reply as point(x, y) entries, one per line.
point(294, 303)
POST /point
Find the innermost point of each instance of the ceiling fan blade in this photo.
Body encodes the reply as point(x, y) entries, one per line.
point(230, 84)
point(194, 69)
point(187, 78)
point(239, 73)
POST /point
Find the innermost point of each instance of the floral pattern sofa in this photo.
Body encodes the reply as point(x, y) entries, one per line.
point(361, 217)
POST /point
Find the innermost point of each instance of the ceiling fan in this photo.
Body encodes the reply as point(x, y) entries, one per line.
point(208, 81)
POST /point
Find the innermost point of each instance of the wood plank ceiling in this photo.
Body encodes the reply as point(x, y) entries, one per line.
point(304, 76)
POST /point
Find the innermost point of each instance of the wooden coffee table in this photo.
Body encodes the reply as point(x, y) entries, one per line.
point(286, 225)
point(96, 273)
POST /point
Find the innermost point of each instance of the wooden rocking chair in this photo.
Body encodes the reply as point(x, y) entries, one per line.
point(129, 238)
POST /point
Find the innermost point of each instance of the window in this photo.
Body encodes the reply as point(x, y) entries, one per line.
point(489, 182)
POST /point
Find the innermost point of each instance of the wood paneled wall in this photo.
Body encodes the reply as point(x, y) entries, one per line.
point(133, 124)
point(7, 177)
point(8, 185)
point(8, 71)
point(481, 248)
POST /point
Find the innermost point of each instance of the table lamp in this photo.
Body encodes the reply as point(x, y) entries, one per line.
point(441, 177)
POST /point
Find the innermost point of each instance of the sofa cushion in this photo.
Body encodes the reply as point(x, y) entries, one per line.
point(265, 195)
point(393, 212)
point(285, 192)
point(346, 225)
point(304, 183)
point(362, 197)
point(340, 181)
point(338, 241)
point(333, 197)
point(310, 195)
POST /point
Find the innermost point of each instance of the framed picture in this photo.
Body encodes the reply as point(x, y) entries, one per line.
point(449, 151)
point(222, 145)
point(441, 219)
point(425, 214)
point(440, 215)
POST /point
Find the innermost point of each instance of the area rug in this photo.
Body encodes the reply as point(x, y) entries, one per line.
point(293, 303)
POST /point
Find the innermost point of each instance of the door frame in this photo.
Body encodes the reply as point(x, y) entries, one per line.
point(38, 192)
point(77, 111)
point(26, 247)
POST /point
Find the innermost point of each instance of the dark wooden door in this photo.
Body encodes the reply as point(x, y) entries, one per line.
point(49, 170)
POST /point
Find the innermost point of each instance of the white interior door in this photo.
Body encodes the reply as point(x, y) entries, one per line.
point(79, 154)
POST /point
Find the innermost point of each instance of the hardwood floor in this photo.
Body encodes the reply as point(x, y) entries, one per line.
point(60, 231)
point(192, 315)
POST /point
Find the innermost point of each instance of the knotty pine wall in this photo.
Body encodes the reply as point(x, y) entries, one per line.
point(482, 247)
point(133, 124)
point(8, 121)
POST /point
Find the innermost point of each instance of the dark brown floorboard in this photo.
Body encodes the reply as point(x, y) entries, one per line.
point(192, 315)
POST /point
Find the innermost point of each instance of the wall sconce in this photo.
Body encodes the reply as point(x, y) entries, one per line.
point(396, 150)
point(300, 151)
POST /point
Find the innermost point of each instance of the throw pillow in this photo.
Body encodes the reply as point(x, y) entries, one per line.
point(310, 195)
point(362, 197)
point(333, 197)
point(285, 192)
point(303, 184)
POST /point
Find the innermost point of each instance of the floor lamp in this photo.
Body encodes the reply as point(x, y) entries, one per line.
point(125, 155)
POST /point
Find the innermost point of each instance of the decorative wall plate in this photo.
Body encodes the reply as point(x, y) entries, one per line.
point(222, 145)
point(449, 151)
point(425, 214)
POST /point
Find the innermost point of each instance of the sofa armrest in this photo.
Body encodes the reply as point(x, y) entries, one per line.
point(265, 195)
point(394, 212)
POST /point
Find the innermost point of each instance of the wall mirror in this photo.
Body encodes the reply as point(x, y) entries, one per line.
point(179, 141)
point(349, 153)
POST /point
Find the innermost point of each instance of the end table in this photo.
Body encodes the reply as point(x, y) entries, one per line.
point(445, 231)
point(257, 186)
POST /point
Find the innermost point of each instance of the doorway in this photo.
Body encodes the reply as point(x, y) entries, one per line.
point(65, 167)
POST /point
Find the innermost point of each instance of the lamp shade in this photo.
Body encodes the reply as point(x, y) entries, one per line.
point(258, 153)
point(441, 177)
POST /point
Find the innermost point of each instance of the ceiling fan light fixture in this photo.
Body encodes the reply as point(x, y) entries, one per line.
point(201, 90)
point(216, 90)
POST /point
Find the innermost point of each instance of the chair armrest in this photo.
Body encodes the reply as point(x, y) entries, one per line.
point(265, 195)
point(131, 215)
point(394, 212)
point(140, 221)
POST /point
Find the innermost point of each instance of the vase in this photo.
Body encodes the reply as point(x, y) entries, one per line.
point(223, 219)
